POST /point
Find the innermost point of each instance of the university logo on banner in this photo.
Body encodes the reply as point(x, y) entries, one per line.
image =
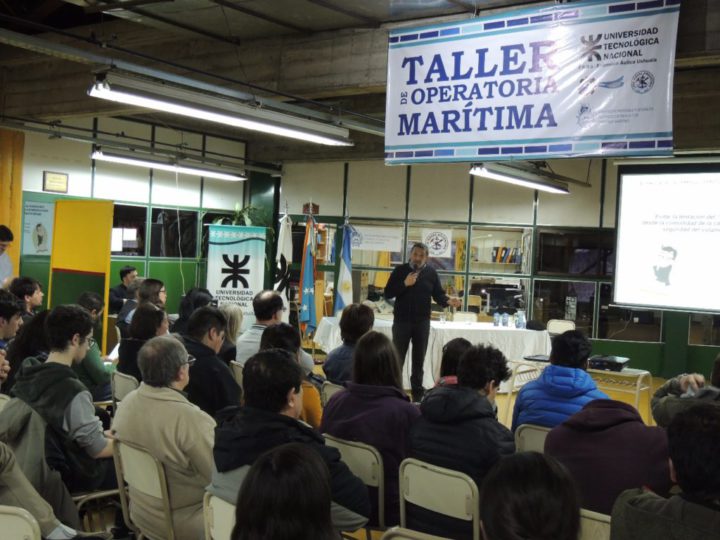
point(236, 264)
point(587, 78)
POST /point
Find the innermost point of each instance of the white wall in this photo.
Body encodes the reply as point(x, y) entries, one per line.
point(387, 184)
point(319, 182)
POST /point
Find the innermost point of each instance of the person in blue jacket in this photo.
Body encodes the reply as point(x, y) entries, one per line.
point(562, 389)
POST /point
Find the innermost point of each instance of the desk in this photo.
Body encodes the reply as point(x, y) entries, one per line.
point(515, 343)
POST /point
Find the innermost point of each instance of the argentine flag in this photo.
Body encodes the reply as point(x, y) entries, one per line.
point(344, 291)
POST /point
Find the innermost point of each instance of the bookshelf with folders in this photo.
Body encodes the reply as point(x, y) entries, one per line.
point(497, 250)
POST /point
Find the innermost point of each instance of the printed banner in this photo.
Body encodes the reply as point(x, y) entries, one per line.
point(38, 219)
point(370, 238)
point(236, 265)
point(438, 241)
point(589, 78)
point(283, 260)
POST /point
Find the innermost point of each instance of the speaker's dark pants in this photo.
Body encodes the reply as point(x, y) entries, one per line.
point(417, 332)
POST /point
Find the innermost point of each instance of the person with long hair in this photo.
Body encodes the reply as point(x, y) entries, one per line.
point(234, 315)
point(148, 322)
point(375, 410)
point(29, 342)
point(195, 298)
point(529, 495)
point(286, 495)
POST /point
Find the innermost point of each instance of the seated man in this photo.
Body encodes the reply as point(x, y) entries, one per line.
point(11, 310)
point(683, 392)
point(75, 443)
point(120, 294)
point(212, 385)
point(6, 267)
point(607, 449)
point(694, 445)
point(177, 433)
point(563, 387)
point(459, 430)
point(268, 309)
point(91, 370)
point(272, 384)
point(29, 291)
point(356, 321)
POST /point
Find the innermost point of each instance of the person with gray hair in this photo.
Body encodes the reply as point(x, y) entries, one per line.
point(177, 433)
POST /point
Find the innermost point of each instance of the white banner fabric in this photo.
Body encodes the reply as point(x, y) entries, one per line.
point(438, 241)
point(371, 238)
point(589, 78)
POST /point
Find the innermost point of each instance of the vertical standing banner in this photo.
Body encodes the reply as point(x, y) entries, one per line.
point(283, 260)
point(587, 78)
point(308, 314)
point(236, 265)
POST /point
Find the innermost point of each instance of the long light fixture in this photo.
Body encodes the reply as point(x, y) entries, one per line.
point(174, 166)
point(519, 177)
point(164, 97)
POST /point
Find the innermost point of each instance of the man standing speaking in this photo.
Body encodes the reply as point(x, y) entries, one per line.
point(412, 284)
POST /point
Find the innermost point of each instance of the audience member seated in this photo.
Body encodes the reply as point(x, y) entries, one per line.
point(122, 322)
point(286, 337)
point(272, 384)
point(268, 308)
point(291, 481)
point(212, 385)
point(529, 496)
point(16, 490)
point(375, 410)
point(563, 387)
point(91, 370)
point(356, 320)
point(694, 446)
point(459, 430)
point(11, 310)
point(683, 392)
point(151, 291)
point(451, 353)
point(75, 435)
point(148, 322)
point(29, 292)
point(234, 315)
point(177, 433)
point(120, 294)
point(607, 449)
point(29, 341)
point(195, 298)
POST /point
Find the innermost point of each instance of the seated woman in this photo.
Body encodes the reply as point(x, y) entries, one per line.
point(234, 315)
point(375, 410)
point(285, 495)
point(196, 297)
point(29, 341)
point(177, 433)
point(529, 495)
point(451, 353)
point(356, 320)
point(148, 322)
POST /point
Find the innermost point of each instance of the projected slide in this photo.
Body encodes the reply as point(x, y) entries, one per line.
point(668, 248)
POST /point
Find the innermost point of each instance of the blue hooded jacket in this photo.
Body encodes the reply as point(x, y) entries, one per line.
point(553, 397)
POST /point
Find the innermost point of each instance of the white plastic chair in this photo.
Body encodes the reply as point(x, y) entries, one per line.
point(441, 490)
point(530, 438)
point(237, 371)
point(18, 524)
point(366, 463)
point(522, 373)
point(328, 390)
point(219, 517)
point(120, 386)
point(558, 326)
point(465, 316)
point(143, 473)
point(594, 526)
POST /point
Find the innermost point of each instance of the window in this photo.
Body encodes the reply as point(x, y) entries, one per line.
point(576, 252)
point(704, 329)
point(377, 244)
point(570, 300)
point(173, 233)
point(488, 294)
point(500, 250)
point(626, 324)
point(447, 244)
point(210, 218)
point(129, 230)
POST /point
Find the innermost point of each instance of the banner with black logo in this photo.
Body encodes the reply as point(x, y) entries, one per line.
point(236, 265)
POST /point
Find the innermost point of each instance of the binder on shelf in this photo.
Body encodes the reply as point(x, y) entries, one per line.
point(494, 254)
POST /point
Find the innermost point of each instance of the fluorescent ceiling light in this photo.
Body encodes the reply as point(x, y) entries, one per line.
point(519, 177)
point(150, 163)
point(172, 99)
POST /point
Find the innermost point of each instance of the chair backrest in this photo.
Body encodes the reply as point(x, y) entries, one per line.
point(398, 533)
point(4, 398)
point(530, 438)
point(121, 385)
point(237, 371)
point(444, 491)
point(594, 526)
point(17, 523)
point(219, 517)
point(145, 474)
point(558, 326)
point(522, 373)
point(366, 463)
point(328, 390)
point(465, 316)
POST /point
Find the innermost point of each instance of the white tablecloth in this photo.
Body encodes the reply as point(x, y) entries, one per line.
point(513, 342)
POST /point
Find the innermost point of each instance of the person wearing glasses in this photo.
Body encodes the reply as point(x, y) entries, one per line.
point(91, 370)
point(78, 447)
point(177, 433)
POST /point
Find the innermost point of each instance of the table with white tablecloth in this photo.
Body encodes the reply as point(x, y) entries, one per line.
point(515, 343)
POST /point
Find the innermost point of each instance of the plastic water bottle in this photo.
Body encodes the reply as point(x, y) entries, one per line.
point(505, 319)
point(520, 319)
point(496, 319)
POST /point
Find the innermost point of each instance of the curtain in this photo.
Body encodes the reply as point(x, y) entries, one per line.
point(12, 144)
